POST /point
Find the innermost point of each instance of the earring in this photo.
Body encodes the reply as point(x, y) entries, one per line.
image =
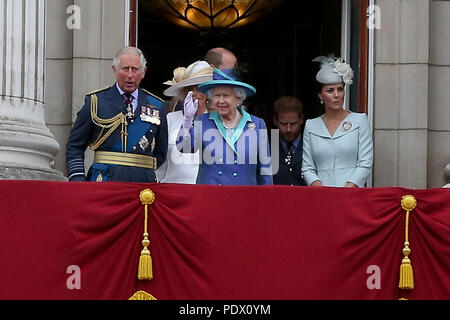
point(209, 105)
point(321, 101)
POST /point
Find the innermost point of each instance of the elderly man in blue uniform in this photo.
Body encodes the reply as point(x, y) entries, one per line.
point(288, 118)
point(125, 126)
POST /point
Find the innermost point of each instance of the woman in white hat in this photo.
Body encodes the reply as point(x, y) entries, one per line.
point(337, 146)
point(233, 143)
point(179, 167)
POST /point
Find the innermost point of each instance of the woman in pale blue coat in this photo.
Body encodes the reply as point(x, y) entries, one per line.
point(337, 146)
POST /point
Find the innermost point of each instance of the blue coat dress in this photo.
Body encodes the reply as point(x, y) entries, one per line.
point(85, 131)
point(229, 157)
point(347, 156)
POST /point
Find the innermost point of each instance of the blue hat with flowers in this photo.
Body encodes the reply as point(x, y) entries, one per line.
point(226, 77)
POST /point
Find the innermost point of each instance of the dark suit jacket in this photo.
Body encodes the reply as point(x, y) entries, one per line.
point(290, 174)
point(84, 132)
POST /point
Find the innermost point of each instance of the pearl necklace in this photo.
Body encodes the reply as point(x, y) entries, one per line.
point(233, 123)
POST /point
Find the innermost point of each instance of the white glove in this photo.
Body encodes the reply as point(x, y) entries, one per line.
point(190, 109)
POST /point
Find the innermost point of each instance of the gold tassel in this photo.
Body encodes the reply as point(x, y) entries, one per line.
point(145, 269)
point(406, 271)
point(406, 280)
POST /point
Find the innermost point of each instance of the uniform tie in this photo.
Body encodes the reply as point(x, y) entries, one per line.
point(128, 98)
point(290, 148)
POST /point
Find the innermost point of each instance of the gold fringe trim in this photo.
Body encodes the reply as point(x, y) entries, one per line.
point(142, 295)
point(406, 280)
point(145, 268)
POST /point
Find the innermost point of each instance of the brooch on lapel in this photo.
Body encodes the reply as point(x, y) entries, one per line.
point(150, 114)
point(252, 126)
point(347, 125)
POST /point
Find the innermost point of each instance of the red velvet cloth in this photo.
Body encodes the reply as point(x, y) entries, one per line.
point(220, 242)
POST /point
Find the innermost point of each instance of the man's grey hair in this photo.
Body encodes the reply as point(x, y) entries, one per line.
point(124, 50)
point(239, 92)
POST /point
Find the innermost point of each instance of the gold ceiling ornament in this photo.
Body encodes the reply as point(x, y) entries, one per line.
point(406, 280)
point(211, 14)
point(142, 295)
point(145, 269)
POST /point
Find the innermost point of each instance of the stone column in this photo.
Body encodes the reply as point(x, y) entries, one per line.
point(401, 94)
point(439, 99)
point(27, 148)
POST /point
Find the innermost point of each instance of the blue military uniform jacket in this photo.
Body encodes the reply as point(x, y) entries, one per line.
point(239, 157)
point(289, 169)
point(146, 135)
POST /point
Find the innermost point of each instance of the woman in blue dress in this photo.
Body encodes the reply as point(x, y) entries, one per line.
point(233, 144)
point(337, 146)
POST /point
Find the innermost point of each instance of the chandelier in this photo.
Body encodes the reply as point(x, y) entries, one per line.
point(211, 14)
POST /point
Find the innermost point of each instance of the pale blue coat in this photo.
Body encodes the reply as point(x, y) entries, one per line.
point(347, 156)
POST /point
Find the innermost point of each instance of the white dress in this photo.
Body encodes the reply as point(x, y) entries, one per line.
point(179, 167)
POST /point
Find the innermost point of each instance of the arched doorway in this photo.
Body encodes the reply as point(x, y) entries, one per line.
point(274, 52)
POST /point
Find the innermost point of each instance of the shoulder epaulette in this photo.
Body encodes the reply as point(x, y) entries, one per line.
point(151, 94)
point(95, 91)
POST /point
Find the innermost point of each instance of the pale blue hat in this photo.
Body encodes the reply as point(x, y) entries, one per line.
point(333, 70)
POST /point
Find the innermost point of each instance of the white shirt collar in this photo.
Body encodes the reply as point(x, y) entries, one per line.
point(135, 95)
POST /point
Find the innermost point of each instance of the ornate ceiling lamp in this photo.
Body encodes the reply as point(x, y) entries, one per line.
point(211, 14)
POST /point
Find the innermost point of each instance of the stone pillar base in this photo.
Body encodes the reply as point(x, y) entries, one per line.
point(20, 173)
point(27, 152)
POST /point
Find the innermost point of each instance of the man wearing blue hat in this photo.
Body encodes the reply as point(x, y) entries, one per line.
point(234, 143)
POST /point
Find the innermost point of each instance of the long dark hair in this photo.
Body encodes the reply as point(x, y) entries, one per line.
point(319, 108)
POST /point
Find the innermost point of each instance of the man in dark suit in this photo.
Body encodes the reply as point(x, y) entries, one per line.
point(288, 117)
point(125, 125)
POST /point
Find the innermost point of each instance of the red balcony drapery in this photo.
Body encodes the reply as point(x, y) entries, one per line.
point(220, 242)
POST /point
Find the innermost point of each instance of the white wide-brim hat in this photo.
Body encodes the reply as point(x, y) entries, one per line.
point(195, 74)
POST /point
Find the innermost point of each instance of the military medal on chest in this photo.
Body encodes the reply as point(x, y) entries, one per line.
point(150, 114)
point(128, 98)
point(143, 143)
point(129, 113)
point(288, 158)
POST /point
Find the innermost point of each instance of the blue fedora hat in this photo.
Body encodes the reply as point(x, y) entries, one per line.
point(225, 78)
